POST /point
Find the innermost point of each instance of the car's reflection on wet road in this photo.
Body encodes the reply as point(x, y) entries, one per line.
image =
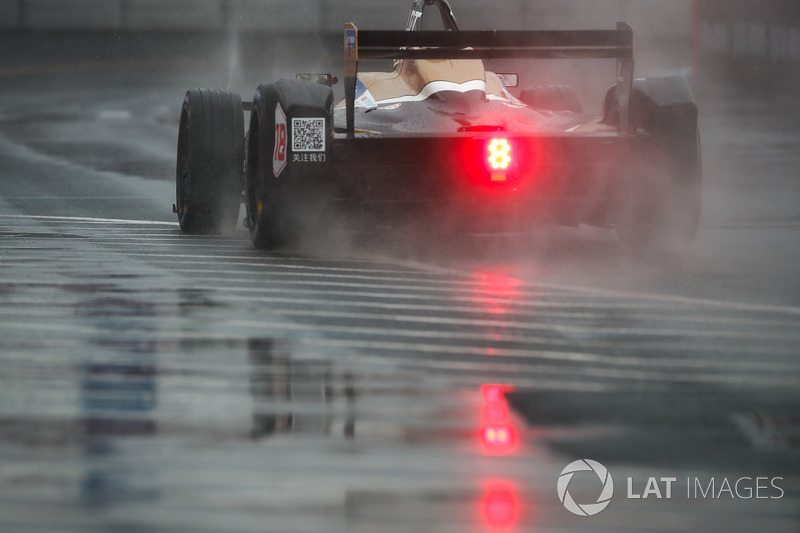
point(295, 397)
point(154, 380)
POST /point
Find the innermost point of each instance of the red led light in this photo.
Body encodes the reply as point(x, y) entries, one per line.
point(499, 154)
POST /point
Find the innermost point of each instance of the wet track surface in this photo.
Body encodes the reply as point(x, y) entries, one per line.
point(154, 381)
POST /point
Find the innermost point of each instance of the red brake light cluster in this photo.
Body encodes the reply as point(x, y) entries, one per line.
point(499, 154)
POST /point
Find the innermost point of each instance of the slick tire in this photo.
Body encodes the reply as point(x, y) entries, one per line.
point(285, 186)
point(210, 161)
point(552, 98)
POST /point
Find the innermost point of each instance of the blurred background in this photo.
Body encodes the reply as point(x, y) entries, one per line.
point(746, 40)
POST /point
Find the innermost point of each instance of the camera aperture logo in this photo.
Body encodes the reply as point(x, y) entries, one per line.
point(586, 509)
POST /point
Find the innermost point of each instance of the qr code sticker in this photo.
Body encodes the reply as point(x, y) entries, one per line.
point(308, 134)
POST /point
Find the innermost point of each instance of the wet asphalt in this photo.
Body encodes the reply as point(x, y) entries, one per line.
point(156, 381)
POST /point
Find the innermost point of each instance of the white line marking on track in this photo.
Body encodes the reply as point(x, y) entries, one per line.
point(92, 220)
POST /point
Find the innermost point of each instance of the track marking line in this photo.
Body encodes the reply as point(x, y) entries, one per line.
point(93, 220)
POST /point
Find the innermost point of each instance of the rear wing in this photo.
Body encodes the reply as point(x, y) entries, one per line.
point(543, 44)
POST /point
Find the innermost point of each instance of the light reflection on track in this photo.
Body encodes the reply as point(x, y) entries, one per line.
point(501, 507)
point(136, 337)
point(366, 306)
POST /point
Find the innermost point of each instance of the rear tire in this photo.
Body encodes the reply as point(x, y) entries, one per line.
point(661, 197)
point(210, 161)
point(660, 193)
point(285, 188)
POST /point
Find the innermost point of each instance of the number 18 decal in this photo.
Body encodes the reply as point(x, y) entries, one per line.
point(279, 155)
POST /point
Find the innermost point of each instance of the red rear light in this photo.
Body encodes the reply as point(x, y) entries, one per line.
point(499, 154)
point(495, 164)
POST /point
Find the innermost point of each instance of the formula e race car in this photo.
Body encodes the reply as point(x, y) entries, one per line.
point(440, 136)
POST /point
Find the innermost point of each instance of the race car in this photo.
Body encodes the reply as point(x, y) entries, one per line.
point(440, 138)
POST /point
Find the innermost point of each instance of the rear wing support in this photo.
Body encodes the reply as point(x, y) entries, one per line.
point(540, 44)
point(350, 74)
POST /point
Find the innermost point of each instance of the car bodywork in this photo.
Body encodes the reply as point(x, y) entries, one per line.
point(421, 132)
point(439, 133)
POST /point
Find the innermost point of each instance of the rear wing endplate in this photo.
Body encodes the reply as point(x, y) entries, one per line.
point(541, 44)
